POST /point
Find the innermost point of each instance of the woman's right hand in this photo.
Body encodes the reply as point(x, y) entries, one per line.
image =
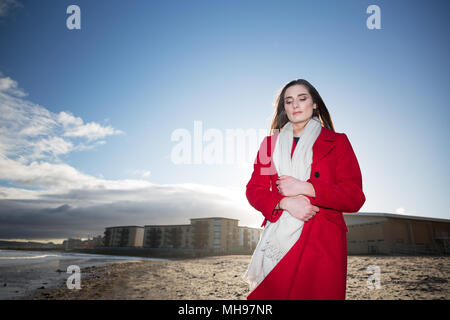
point(299, 207)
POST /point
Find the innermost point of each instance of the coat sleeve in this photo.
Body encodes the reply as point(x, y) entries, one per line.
point(346, 194)
point(258, 190)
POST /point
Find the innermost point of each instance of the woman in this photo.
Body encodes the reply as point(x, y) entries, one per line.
point(305, 175)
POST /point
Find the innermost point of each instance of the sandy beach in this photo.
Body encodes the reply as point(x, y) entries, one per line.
point(401, 278)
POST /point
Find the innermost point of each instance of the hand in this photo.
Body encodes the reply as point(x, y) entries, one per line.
point(290, 186)
point(299, 207)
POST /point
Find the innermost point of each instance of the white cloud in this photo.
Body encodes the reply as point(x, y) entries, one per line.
point(91, 131)
point(75, 127)
point(403, 211)
point(10, 86)
point(140, 173)
point(54, 145)
point(32, 132)
point(146, 174)
point(67, 119)
point(59, 177)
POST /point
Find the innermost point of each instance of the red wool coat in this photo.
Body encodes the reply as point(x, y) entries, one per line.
point(316, 265)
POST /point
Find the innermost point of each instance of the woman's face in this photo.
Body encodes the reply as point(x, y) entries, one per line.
point(298, 104)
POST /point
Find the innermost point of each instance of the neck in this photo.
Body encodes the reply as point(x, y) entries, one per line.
point(298, 127)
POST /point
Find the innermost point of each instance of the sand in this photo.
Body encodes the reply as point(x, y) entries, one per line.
point(401, 278)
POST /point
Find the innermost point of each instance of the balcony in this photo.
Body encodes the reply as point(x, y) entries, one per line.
point(441, 235)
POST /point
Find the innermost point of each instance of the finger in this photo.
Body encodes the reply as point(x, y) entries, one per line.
point(315, 208)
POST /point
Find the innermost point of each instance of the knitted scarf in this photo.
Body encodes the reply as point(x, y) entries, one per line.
point(278, 237)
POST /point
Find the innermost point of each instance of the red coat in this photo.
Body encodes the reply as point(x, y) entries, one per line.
point(316, 265)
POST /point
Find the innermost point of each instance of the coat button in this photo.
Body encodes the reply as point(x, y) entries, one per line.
point(316, 174)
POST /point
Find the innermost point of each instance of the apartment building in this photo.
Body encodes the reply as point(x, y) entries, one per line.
point(248, 237)
point(168, 236)
point(217, 234)
point(124, 236)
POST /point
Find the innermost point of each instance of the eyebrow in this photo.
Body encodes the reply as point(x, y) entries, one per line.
point(301, 94)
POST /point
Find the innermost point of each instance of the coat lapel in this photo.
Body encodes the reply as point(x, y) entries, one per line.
point(325, 143)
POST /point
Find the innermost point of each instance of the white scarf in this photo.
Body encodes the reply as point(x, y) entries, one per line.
point(278, 237)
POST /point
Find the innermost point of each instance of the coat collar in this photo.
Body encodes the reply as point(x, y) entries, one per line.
point(324, 144)
point(327, 134)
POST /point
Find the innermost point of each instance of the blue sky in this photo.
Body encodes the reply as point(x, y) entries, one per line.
point(105, 100)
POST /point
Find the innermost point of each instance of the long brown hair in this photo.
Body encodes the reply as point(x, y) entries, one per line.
point(280, 117)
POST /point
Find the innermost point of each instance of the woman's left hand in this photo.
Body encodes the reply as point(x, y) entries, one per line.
point(290, 186)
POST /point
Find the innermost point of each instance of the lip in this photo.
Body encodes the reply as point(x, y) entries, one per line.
point(297, 112)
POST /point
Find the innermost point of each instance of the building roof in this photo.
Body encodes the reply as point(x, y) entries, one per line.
point(398, 216)
point(252, 228)
point(124, 227)
point(168, 225)
point(214, 218)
